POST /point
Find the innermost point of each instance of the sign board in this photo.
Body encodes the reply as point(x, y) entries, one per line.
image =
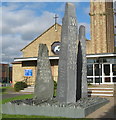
point(28, 72)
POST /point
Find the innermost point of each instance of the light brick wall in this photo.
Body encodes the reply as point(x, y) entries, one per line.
point(48, 38)
point(102, 28)
point(18, 74)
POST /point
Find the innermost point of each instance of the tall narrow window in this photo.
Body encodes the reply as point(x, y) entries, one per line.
point(114, 69)
point(107, 69)
point(90, 70)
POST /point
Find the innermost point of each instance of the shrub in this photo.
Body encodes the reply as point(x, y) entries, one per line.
point(55, 87)
point(55, 84)
point(20, 86)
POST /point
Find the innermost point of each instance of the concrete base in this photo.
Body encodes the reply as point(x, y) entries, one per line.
point(51, 110)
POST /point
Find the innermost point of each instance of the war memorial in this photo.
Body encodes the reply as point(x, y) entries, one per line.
point(72, 100)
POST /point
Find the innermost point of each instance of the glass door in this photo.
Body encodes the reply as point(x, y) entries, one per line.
point(98, 73)
point(107, 73)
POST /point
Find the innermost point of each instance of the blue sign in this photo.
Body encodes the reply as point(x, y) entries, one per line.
point(28, 72)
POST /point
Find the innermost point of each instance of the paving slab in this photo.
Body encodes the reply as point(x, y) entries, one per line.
point(107, 111)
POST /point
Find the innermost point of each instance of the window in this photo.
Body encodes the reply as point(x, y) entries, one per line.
point(107, 79)
point(89, 70)
point(90, 60)
point(98, 80)
point(114, 79)
point(114, 69)
point(3, 68)
point(107, 69)
point(89, 80)
point(98, 71)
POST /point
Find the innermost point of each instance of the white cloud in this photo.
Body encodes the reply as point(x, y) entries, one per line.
point(25, 22)
point(11, 46)
point(19, 27)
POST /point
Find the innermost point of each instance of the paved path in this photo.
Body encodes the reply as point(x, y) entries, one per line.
point(107, 111)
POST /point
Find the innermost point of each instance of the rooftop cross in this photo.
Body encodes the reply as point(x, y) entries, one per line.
point(55, 17)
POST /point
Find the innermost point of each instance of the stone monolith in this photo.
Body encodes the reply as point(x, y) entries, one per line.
point(81, 65)
point(67, 71)
point(44, 86)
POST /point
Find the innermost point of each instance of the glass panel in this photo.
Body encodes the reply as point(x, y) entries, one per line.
point(89, 70)
point(108, 60)
point(90, 80)
point(114, 69)
point(97, 68)
point(107, 69)
point(107, 79)
point(97, 80)
point(114, 79)
point(90, 60)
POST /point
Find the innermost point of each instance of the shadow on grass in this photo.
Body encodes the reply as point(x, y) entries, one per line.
point(2, 90)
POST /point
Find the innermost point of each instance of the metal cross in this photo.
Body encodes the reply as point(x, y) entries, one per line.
point(55, 17)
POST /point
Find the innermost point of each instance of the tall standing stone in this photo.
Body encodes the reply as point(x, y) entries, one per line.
point(44, 86)
point(81, 65)
point(66, 89)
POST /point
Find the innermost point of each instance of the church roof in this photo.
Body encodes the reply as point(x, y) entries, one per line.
point(40, 35)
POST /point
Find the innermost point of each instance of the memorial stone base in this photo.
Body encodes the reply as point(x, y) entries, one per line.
point(80, 109)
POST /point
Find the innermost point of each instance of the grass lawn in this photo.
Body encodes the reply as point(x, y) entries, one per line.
point(25, 116)
point(5, 90)
point(21, 97)
point(31, 117)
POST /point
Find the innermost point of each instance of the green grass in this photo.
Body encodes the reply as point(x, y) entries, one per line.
point(17, 98)
point(29, 117)
point(5, 90)
point(26, 116)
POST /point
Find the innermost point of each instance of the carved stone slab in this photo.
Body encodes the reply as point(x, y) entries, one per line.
point(66, 89)
point(44, 86)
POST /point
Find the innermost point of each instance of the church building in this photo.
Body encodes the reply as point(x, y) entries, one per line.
point(100, 50)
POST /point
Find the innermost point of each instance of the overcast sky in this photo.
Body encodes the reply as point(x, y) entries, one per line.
point(22, 22)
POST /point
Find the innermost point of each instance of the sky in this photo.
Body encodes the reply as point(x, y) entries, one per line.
point(22, 22)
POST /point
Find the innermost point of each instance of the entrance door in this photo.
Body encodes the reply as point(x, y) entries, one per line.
point(107, 73)
point(98, 73)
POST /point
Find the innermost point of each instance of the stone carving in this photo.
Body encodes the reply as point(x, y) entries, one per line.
point(81, 65)
point(67, 72)
point(44, 86)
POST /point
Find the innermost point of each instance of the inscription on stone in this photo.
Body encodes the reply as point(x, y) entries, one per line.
point(44, 86)
point(66, 89)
